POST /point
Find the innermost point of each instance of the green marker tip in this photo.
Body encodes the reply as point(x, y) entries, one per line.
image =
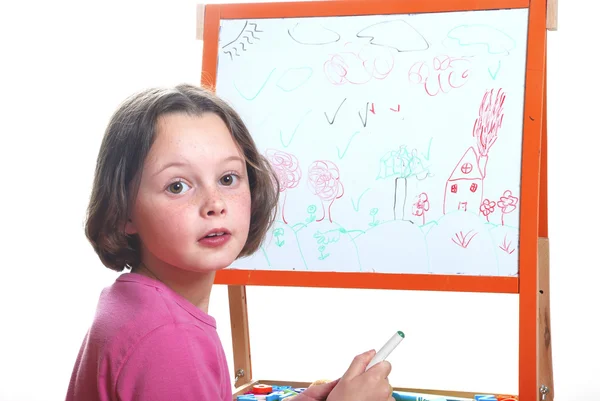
point(401, 333)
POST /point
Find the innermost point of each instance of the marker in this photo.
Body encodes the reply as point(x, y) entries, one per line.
point(402, 396)
point(387, 349)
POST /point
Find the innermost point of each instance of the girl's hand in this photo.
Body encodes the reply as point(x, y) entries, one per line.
point(317, 392)
point(358, 385)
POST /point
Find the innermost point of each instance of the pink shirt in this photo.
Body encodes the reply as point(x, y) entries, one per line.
point(149, 343)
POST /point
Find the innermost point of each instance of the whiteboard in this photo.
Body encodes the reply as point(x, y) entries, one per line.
point(397, 138)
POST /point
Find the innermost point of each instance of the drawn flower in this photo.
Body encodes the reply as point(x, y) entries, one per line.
point(487, 207)
point(277, 233)
point(421, 206)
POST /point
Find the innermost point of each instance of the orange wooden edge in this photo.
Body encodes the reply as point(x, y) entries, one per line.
point(385, 281)
point(530, 224)
point(530, 202)
point(339, 8)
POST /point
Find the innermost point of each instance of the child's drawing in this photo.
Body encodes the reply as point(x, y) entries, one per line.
point(401, 165)
point(346, 111)
point(288, 172)
point(247, 34)
point(324, 181)
point(464, 188)
point(396, 34)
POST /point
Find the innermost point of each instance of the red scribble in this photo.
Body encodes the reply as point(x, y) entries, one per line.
point(444, 74)
point(487, 208)
point(372, 108)
point(359, 65)
point(464, 187)
point(506, 246)
point(485, 129)
point(463, 240)
point(288, 172)
point(397, 110)
point(324, 181)
point(507, 203)
point(421, 206)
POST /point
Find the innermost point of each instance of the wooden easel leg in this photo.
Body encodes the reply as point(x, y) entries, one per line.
point(240, 335)
point(545, 375)
point(545, 372)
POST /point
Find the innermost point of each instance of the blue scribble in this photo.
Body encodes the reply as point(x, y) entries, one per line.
point(341, 156)
point(357, 205)
point(493, 39)
point(494, 73)
point(294, 78)
point(293, 133)
point(250, 98)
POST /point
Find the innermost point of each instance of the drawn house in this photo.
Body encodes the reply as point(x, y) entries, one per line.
point(464, 188)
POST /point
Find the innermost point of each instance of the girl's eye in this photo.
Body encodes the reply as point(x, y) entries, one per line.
point(228, 180)
point(178, 187)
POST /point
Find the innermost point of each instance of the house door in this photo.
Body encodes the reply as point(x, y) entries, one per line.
point(462, 206)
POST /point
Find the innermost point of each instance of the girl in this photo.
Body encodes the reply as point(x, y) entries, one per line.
point(180, 191)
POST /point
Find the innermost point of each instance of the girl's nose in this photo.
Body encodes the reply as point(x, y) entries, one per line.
point(213, 206)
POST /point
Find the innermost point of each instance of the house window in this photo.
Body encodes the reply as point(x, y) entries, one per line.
point(454, 188)
point(473, 187)
point(466, 168)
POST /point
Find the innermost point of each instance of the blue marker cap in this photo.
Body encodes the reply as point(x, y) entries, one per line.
point(247, 397)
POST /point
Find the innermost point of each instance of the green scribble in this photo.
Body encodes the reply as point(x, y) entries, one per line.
point(250, 98)
point(426, 157)
point(311, 210)
point(373, 213)
point(285, 145)
point(278, 234)
point(341, 155)
point(265, 255)
point(327, 237)
point(301, 75)
point(322, 256)
point(357, 205)
point(493, 39)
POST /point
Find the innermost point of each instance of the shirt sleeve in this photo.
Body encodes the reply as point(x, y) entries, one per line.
point(173, 362)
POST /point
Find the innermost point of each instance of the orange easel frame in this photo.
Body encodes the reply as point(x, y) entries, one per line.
point(535, 362)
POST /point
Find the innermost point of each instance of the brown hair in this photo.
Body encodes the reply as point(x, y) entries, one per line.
point(126, 143)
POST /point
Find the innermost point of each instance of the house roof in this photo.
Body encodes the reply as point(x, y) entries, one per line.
point(460, 173)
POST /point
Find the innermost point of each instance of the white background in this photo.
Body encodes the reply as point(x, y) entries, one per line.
point(64, 68)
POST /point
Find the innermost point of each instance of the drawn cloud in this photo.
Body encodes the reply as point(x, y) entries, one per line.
point(312, 33)
point(397, 34)
point(494, 40)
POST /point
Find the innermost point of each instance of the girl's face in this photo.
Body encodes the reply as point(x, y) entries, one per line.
point(192, 209)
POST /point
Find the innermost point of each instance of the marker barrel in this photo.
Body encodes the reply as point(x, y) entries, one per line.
point(387, 349)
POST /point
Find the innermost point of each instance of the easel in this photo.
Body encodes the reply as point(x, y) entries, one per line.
point(532, 285)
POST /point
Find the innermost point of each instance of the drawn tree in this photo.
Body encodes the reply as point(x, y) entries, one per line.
point(485, 129)
point(421, 206)
point(487, 207)
point(402, 165)
point(324, 181)
point(288, 172)
point(507, 203)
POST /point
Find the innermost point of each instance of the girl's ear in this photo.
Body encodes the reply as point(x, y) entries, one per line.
point(130, 227)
